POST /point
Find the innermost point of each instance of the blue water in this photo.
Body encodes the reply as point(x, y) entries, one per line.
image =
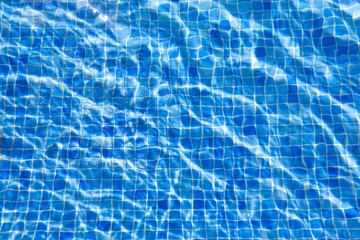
point(172, 119)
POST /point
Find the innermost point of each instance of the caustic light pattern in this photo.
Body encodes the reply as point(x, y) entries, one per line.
point(178, 119)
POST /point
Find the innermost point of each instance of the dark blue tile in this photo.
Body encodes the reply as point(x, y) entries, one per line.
point(104, 225)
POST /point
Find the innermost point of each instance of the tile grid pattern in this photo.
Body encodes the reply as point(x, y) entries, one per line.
point(179, 119)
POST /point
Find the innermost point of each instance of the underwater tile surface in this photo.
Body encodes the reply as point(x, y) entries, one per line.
point(176, 119)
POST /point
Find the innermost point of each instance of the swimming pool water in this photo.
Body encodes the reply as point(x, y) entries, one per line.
point(176, 119)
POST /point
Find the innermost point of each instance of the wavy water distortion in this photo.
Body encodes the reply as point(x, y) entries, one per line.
point(173, 119)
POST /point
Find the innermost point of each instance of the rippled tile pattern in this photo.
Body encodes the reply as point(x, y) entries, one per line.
point(177, 119)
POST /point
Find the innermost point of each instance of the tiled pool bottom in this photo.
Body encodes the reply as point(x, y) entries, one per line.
point(179, 119)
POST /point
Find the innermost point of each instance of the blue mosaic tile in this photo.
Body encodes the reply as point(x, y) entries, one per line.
point(179, 119)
